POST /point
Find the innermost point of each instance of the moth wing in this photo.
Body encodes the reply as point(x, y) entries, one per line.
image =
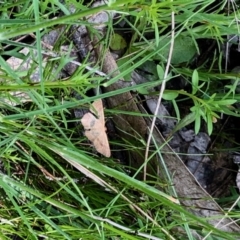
point(88, 121)
point(97, 108)
point(101, 144)
point(95, 132)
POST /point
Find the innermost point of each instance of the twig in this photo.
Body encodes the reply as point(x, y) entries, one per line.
point(160, 95)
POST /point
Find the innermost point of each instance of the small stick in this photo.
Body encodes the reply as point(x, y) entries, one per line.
point(160, 95)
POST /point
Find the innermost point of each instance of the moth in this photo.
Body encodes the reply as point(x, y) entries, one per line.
point(95, 129)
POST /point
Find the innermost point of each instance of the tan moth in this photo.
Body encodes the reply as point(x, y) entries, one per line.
point(95, 129)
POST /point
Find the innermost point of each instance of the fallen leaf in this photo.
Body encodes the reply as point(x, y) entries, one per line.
point(95, 129)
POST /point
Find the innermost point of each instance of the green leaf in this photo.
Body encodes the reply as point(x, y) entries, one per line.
point(184, 122)
point(228, 111)
point(117, 42)
point(197, 124)
point(183, 51)
point(160, 72)
point(177, 112)
point(209, 123)
point(170, 95)
point(225, 102)
point(195, 81)
point(142, 90)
